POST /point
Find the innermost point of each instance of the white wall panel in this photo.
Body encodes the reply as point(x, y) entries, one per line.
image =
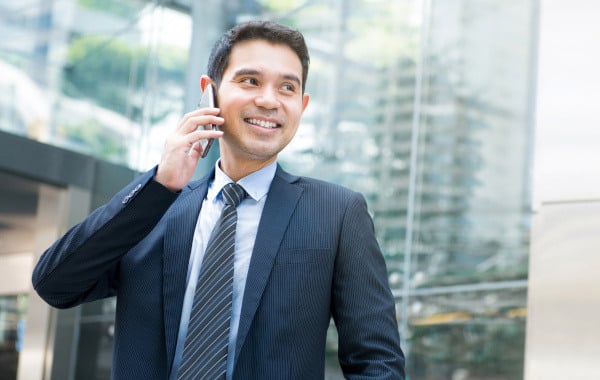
point(563, 323)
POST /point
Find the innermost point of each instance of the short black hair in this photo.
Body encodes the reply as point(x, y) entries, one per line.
point(256, 30)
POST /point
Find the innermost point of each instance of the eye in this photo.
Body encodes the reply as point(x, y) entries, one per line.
point(251, 81)
point(288, 87)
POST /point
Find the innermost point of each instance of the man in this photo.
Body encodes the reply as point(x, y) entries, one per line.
point(305, 249)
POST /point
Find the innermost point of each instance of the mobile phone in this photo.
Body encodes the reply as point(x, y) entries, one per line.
point(208, 100)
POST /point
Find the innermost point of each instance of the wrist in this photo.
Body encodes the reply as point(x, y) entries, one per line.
point(160, 179)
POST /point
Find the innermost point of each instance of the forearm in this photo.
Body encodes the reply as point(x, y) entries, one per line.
point(81, 265)
point(369, 343)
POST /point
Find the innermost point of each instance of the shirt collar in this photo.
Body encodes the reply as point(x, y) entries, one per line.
point(256, 184)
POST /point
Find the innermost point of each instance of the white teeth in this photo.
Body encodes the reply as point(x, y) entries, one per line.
point(263, 123)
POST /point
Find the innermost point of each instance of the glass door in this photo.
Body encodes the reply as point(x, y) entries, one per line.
point(12, 327)
point(18, 209)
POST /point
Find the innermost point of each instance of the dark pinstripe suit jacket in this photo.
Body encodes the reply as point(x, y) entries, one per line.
point(315, 257)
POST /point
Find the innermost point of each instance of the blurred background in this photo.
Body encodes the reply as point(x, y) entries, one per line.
point(471, 126)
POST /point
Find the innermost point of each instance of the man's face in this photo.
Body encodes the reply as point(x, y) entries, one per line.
point(261, 100)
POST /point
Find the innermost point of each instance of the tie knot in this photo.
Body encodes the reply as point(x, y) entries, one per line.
point(233, 194)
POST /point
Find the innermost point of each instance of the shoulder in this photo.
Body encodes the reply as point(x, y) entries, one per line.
point(317, 187)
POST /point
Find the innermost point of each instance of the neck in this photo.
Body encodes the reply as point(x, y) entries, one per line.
point(237, 170)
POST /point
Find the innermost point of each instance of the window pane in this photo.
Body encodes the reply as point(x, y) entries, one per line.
point(472, 193)
point(470, 335)
point(94, 352)
point(104, 78)
point(12, 328)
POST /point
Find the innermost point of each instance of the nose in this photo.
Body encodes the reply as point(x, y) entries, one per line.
point(267, 99)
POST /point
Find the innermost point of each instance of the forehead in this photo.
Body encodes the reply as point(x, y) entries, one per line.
point(264, 56)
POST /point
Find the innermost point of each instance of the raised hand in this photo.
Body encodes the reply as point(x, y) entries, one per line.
point(182, 150)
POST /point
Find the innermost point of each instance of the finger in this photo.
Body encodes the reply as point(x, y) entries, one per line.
point(197, 116)
point(195, 149)
point(201, 123)
point(202, 134)
point(190, 140)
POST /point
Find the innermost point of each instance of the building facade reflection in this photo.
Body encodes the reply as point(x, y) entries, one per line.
point(422, 105)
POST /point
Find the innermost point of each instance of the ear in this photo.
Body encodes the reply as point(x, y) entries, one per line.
point(204, 81)
point(305, 99)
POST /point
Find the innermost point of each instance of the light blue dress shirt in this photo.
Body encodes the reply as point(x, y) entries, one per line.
point(249, 211)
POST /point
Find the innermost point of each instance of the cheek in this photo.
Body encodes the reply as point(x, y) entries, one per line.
point(228, 112)
point(295, 113)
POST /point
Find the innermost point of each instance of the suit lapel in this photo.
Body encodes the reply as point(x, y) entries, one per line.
point(280, 204)
point(179, 235)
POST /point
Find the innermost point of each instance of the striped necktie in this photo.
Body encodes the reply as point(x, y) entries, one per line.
point(205, 349)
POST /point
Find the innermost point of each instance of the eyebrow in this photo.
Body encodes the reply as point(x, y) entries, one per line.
point(246, 71)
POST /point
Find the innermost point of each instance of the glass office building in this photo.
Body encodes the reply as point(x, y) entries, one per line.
point(425, 106)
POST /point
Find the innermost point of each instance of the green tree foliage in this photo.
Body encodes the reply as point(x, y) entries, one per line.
point(102, 70)
point(112, 74)
point(95, 138)
point(110, 71)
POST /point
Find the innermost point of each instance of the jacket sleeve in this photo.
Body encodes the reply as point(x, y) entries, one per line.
point(363, 305)
point(81, 266)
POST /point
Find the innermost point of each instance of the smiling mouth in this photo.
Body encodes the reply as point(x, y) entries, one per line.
point(263, 123)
